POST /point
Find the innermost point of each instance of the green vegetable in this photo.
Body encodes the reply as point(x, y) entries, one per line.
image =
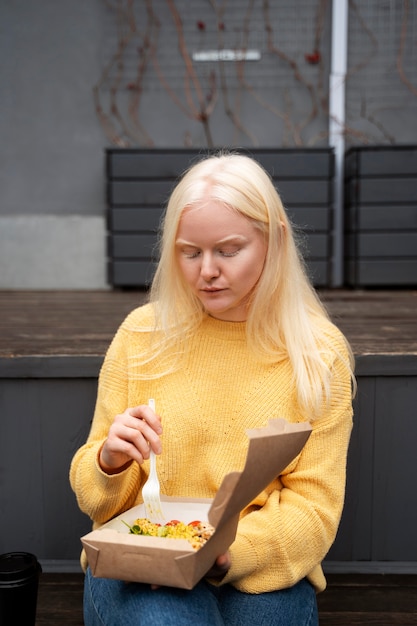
point(135, 529)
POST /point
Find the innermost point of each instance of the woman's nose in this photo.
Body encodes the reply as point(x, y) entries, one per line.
point(209, 268)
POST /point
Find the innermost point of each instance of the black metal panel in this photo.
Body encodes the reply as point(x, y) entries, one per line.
point(38, 366)
point(354, 538)
point(394, 502)
point(386, 190)
point(133, 246)
point(382, 245)
point(139, 192)
point(381, 161)
point(317, 218)
point(318, 272)
point(316, 246)
point(382, 465)
point(297, 163)
point(43, 423)
point(166, 163)
point(382, 272)
point(131, 273)
point(382, 217)
point(135, 219)
point(140, 182)
point(156, 192)
point(88, 366)
point(146, 164)
point(386, 365)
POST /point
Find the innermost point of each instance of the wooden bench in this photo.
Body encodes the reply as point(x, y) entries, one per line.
point(348, 600)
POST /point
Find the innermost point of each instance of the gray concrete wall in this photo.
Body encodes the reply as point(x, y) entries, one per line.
point(52, 232)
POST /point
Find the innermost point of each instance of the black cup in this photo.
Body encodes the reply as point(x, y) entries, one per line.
point(19, 578)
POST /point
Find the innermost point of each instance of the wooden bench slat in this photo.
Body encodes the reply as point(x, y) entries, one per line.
point(349, 600)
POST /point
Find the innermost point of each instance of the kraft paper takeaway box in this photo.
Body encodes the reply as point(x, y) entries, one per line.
point(113, 552)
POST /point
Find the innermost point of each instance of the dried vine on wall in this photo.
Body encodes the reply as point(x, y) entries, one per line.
point(202, 96)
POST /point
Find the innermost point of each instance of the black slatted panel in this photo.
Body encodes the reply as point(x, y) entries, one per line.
point(381, 216)
point(140, 181)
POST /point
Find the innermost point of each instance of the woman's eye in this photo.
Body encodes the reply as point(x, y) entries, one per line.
point(191, 253)
point(229, 251)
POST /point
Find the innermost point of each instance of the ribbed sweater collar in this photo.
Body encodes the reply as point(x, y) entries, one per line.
point(227, 331)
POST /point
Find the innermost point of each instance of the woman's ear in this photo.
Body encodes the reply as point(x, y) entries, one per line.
point(283, 229)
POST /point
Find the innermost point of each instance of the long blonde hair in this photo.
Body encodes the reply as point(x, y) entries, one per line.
point(285, 314)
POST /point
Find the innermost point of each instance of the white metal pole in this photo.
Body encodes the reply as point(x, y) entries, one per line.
point(337, 109)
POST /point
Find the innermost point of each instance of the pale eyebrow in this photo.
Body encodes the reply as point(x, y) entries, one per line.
point(221, 242)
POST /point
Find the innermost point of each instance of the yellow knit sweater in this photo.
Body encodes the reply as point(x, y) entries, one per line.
point(206, 406)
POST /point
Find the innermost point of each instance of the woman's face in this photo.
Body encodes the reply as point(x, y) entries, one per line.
point(221, 255)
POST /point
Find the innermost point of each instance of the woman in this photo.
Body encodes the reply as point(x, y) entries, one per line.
point(233, 335)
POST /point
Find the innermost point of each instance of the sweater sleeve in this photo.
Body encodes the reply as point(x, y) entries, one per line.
point(99, 495)
point(286, 539)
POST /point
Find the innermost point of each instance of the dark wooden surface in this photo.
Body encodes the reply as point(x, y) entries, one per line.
point(60, 600)
point(83, 322)
point(71, 323)
point(348, 600)
point(382, 600)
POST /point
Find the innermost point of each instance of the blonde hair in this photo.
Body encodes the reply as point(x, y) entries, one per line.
point(285, 312)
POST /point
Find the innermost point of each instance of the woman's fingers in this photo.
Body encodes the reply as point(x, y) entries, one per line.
point(220, 567)
point(140, 426)
point(130, 436)
point(145, 413)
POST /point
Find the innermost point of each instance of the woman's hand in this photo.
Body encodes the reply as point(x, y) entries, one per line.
point(220, 567)
point(129, 438)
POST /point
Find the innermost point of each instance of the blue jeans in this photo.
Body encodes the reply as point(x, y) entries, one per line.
point(110, 602)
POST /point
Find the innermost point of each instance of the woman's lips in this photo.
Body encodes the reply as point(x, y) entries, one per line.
point(211, 289)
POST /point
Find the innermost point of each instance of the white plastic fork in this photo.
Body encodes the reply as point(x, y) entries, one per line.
point(151, 489)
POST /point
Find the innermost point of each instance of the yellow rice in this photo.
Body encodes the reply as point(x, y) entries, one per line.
point(197, 533)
